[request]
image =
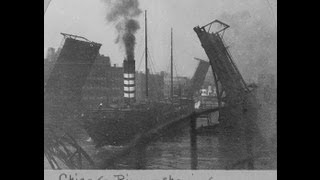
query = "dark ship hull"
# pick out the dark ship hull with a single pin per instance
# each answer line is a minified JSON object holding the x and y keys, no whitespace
{"x":121,"y":126}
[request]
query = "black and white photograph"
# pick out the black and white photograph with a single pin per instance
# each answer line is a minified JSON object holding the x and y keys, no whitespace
{"x":160,"y":85}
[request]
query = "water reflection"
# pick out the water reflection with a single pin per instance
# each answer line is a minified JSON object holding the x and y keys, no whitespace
{"x":181,"y":148}
{"x":193,"y":144}
{"x":140,"y":157}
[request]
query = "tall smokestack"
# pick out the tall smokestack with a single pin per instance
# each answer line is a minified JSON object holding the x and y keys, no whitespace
{"x":129,"y":80}
{"x":122,"y":13}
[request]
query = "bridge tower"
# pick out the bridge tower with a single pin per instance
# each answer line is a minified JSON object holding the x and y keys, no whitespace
{"x":63,"y":105}
{"x":232,"y":91}
{"x":238,"y":115}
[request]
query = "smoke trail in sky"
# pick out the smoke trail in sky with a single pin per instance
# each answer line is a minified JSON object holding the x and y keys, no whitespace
{"x":122,"y":14}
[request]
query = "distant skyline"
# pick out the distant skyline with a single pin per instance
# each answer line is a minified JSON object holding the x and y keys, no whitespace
{"x":87,"y":18}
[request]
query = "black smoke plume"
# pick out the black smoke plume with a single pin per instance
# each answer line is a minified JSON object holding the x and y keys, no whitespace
{"x":122,"y":13}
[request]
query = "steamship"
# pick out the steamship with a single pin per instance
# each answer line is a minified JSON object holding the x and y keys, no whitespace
{"x":124,"y":122}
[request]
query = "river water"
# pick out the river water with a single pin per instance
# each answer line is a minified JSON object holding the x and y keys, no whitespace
{"x":178,"y":148}
{"x":174,"y":150}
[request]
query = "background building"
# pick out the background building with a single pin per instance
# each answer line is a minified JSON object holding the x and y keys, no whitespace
{"x":209,"y":84}
{"x":49,"y":62}
{"x":104,"y":84}
{"x":155,"y":86}
{"x":181,"y":85}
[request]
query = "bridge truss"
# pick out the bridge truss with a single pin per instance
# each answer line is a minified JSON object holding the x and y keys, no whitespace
{"x":63,"y":150}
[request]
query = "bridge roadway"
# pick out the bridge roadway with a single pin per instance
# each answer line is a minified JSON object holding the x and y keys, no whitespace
{"x":109,"y":159}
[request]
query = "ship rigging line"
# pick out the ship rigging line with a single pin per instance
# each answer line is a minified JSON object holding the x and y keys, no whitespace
{"x":140,"y":41}
{"x":150,"y":58}
{"x":175,"y":68}
{"x":140,"y":61}
{"x":150,"y":55}
{"x":151,"y":62}
{"x":152,"y":67}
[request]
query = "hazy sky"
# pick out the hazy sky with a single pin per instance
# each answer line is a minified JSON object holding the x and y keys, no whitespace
{"x":87,"y":18}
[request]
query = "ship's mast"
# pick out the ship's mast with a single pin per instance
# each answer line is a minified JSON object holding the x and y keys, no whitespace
{"x":171,"y":68}
{"x":146,"y":54}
